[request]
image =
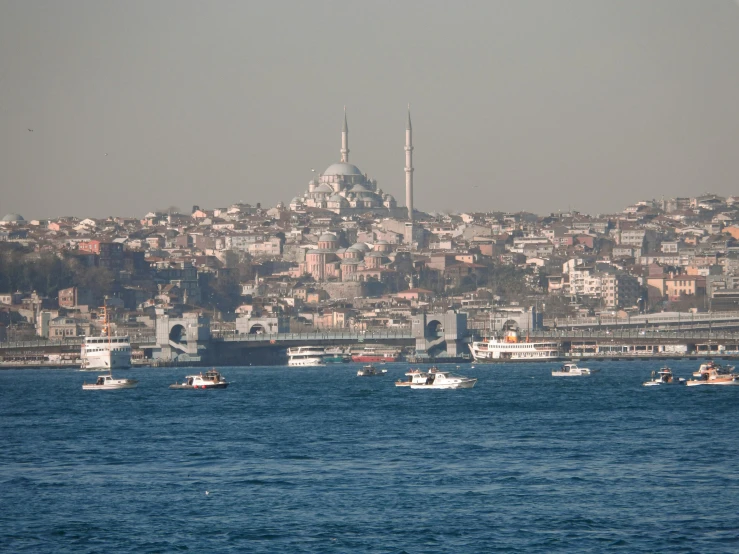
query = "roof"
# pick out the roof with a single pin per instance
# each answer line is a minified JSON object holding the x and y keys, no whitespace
{"x":342,"y":169}
{"x":416,"y":291}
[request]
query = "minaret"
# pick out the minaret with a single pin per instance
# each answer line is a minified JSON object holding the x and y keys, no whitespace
{"x":409,"y":166}
{"x":345,"y":141}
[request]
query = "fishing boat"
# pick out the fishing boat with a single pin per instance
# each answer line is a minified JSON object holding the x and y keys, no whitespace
{"x":571,"y":370}
{"x":663,"y":377}
{"x":211,"y":380}
{"x":414,"y":376}
{"x":370,"y":371}
{"x":714,"y":374}
{"x":435,"y":378}
{"x":711,"y":365}
{"x":107,"y":382}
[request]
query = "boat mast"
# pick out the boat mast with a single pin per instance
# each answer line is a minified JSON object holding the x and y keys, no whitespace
{"x":106,"y":332}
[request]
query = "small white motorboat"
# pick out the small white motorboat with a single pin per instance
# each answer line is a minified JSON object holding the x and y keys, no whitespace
{"x":663,"y":377}
{"x":370,"y":371}
{"x":211,"y":380}
{"x":436,"y":379}
{"x":414,"y":376}
{"x":106,"y":382}
{"x":571,"y":370}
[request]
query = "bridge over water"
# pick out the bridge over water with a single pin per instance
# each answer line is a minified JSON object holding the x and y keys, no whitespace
{"x":193,"y":340}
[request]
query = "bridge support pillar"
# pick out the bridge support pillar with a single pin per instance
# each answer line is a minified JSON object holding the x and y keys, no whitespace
{"x":440,"y":333}
{"x":184,"y":338}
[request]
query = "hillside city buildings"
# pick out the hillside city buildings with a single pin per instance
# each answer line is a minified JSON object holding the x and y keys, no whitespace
{"x":345,"y":255}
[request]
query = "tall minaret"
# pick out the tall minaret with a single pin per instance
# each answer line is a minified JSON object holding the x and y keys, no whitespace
{"x":345,"y":141}
{"x":409,"y":166}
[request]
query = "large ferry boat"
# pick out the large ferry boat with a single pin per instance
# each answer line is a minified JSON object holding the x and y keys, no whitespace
{"x":106,"y":351}
{"x":305,"y":356}
{"x":510,"y":348}
{"x":373,"y":354}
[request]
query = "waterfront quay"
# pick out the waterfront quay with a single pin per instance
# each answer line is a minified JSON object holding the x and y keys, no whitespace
{"x":269,"y":348}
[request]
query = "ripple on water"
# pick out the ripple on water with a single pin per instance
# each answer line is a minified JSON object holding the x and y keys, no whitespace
{"x":319,"y":461}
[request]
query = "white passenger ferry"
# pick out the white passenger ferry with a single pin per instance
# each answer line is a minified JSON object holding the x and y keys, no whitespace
{"x":306,"y":356}
{"x":510,"y":348}
{"x":106,"y":351}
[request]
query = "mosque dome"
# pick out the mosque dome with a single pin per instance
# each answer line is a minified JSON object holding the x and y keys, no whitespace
{"x":13,"y":218}
{"x":327,"y":237}
{"x":338,"y":198}
{"x":359,"y":188}
{"x":341,"y":168}
{"x":323,"y":187}
{"x":362,"y":247}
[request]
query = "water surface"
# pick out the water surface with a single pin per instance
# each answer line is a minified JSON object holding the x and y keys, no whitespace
{"x":319,"y":460}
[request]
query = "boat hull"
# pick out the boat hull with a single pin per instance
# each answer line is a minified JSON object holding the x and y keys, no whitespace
{"x":714,"y":382}
{"x":460,"y":385}
{"x":336,"y":359}
{"x":199,"y":387}
{"x":125,"y":384}
{"x":569,"y":374}
{"x":361,"y":373}
{"x":306,"y":362}
{"x":374,"y":359}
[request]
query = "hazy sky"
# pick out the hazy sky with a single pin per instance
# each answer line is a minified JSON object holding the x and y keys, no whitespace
{"x":517,"y":104}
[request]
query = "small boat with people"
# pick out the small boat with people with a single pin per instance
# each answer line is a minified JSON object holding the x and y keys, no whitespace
{"x":571,"y":370}
{"x":370,"y":371}
{"x":435,"y":378}
{"x":414,"y":376}
{"x":714,"y":374}
{"x":107,"y":382}
{"x":663,"y":377}
{"x":211,"y":380}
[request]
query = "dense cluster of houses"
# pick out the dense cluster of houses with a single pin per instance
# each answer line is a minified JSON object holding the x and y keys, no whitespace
{"x":311,"y":268}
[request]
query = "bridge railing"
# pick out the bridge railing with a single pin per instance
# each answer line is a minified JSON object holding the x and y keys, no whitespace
{"x":143,"y":340}
{"x":688,"y":335}
{"x":642,"y":319}
{"x":41,"y":343}
{"x":314,"y":336}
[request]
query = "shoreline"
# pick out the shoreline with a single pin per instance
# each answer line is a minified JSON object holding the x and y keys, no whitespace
{"x":563,"y":359}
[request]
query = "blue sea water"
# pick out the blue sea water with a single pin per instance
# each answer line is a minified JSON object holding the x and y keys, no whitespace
{"x":319,"y":460}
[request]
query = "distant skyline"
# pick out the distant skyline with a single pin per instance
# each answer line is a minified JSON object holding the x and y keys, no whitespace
{"x":117,"y":108}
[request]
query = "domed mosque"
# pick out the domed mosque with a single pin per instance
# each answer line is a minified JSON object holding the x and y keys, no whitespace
{"x":12,"y":219}
{"x":343,"y":189}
